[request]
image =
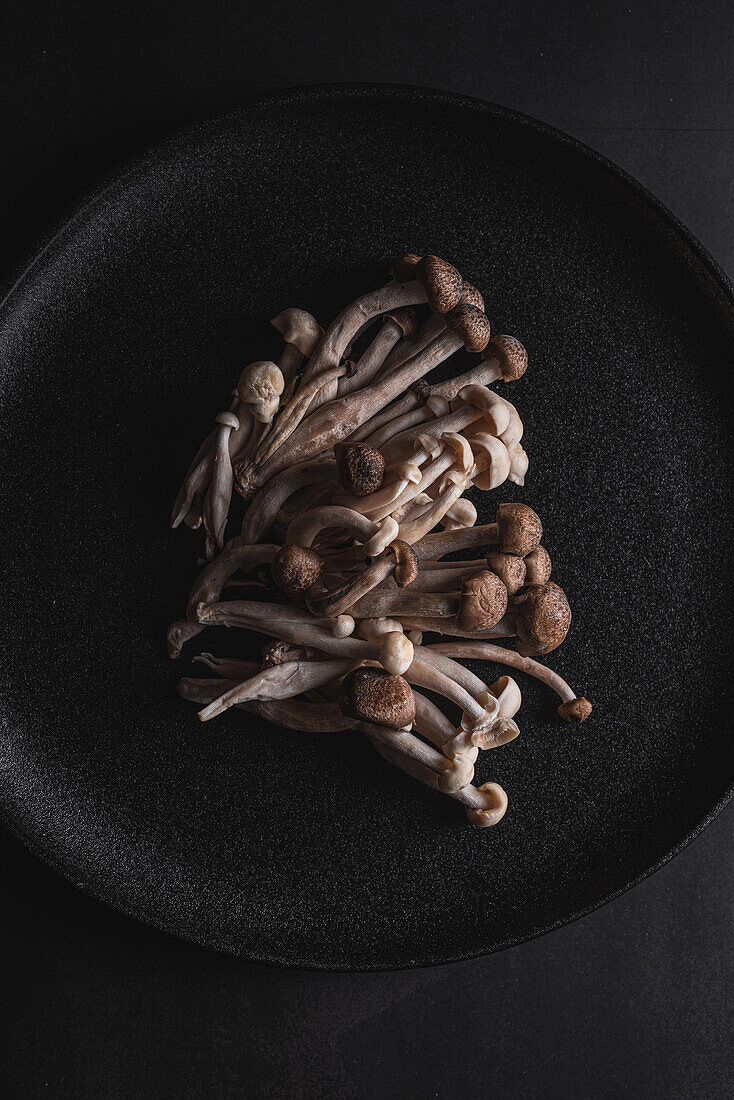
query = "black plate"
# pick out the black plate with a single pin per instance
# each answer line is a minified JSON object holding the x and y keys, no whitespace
{"x":119,"y":344}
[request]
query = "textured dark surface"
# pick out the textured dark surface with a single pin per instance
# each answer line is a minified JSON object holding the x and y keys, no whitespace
{"x":633,"y":1000}
{"x":123,"y":337}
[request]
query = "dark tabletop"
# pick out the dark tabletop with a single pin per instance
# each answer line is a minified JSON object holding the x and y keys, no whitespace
{"x":633,"y":1000}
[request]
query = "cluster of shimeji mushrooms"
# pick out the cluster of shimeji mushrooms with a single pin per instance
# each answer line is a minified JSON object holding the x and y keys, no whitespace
{"x":354,"y":468}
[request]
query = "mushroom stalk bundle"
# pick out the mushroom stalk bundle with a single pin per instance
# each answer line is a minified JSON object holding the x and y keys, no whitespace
{"x":351,"y":468}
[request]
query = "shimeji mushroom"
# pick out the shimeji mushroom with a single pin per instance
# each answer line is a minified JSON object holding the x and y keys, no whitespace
{"x":208,"y":588}
{"x":282,"y":681}
{"x":336,"y":420}
{"x":398,"y":325}
{"x":478,"y":604}
{"x":538,"y":618}
{"x":517,"y":530}
{"x":485,"y":805}
{"x":573,"y":708}
{"x":265,"y":506}
{"x":360,"y":468}
{"x":302,"y":334}
{"x":293,"y":714}
{"x":219,"y":493}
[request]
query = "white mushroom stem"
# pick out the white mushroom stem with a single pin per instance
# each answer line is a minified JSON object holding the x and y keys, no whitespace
{"x":293,"y":413}
{"x":335,"y":421}
{"x":278,"y":682}
{"x":439,"y":543}
{"x":485,"y":651}
{"x":434,"y":408}
{"x":231,"y":668}
{"x":305,"y":528}
{"x":208,"y":588}
{"x":265,"y":505}
{"x":372,"y":360}
{"x":341,"y":331}
{"x":485,"y":805}
{"x":505,"y":628}
{"x":401,"y":446}
{"x":427,"y":333}
{"x":437,"y":672}
{"x":415,"y":397}
{"x":293,"y":714}
{"x":219,"y":493}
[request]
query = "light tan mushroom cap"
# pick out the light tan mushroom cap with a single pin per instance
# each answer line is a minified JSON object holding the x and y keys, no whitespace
{"x":442,"y":283}
{"x":360,"y":468}
{"x":513,"y":359}
{"x":483,"y":601}
{"x":471,"y":324}
{"x":300,"y":328}
{"x":295,"y":569}
{"x":373,"y":695}
{"x":495,"y":810}
{"x":403,"y":267}
{"x":509,"y":568}
{"x":519,"y":529}
{"x":538,"y":566}
{"x":576,"y":710}
{"x":542,"y":619}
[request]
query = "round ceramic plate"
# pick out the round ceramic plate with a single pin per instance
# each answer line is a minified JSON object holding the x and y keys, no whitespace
{"x":121,"y":341}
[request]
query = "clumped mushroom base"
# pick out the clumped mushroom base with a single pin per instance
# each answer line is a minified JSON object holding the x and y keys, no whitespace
{"x":353,"y":468}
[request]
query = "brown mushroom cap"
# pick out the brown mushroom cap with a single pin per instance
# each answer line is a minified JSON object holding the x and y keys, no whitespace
{"x":576,"y":710}
{"x":442,"y":283}
{"x":538,"y":566}
{"x":483,"y":601}
{"x":519,"y":529}
{"x":405,"y":318}
{"x":471,"y":325}
{"x":421,"y":389}
{"x":470,"y":296}
{"x":295,"y":569}
{"x":542,"y":619}
{"x":403,"y":267}
{"x":406,"y":562}
{"x":509,"y":568}
{"x":373,"y":695}
{"x":513,"y":358}
{"x":360,"y":468}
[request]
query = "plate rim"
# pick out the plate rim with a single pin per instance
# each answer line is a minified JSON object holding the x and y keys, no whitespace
{"x":53,"y":236}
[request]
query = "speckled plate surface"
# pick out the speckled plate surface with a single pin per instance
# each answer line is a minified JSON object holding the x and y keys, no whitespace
{"x":119,"y":342}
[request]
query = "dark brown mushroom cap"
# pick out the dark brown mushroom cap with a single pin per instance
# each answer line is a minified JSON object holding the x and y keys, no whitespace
{"x":405,"y":318}
{"x":513,"y":358}
{"x":360,"y":468}
{"x":575,"y":710}
{"x":442,"y":283}
{"x":373,"y":695}
{"x":483,"y":601}
{"x":403,"y":267}
{"x":295,"y":569}
{"x":421,"y":389}
{"x":509,"y":568}
{"x":470,"y":296}
{"x":542,"y":619}
{"x":519,"y":529}
{"x":406,"y":562}
{"x":471,"y":325}
{"x":538,"y":566}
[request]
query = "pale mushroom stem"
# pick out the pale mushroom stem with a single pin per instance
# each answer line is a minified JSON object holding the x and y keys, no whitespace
{"x":265,"y":505}
{"x":333,"y":422}
{"x":486,"y":806}
{"x":279,"y":682}
{"x":372,"y":361}
{"x":292,"y":714}
{"x":341,"y":331}
{"x":485,"y":651}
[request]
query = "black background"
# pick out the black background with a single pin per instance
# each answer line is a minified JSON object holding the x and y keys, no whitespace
{"x":634,"y":999}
